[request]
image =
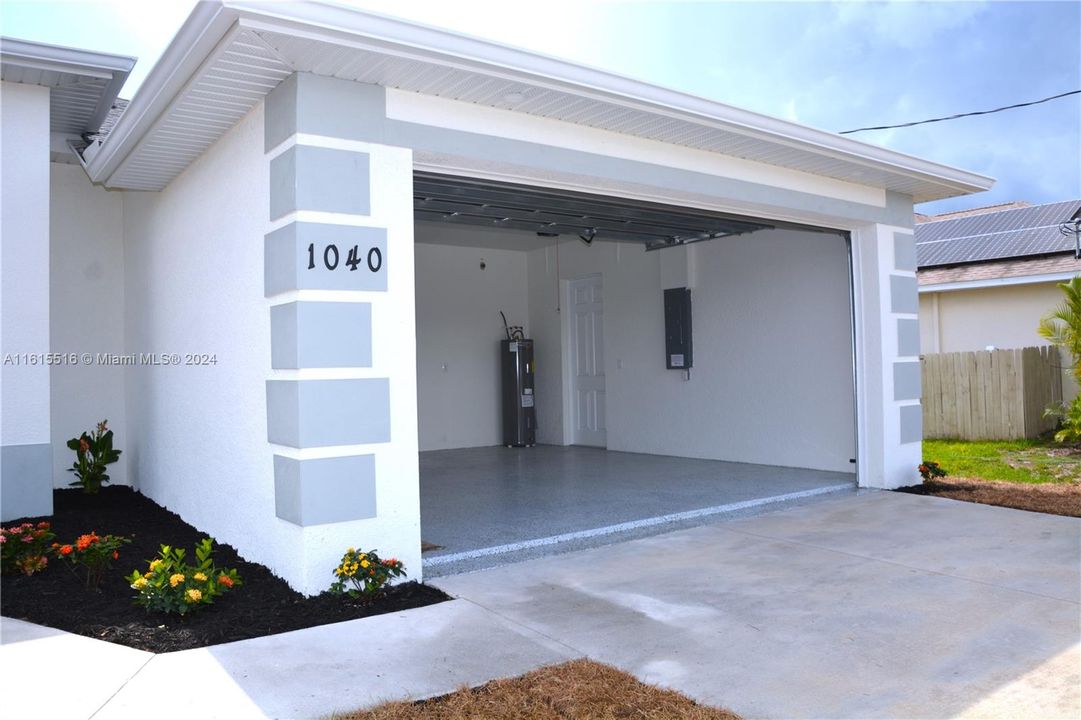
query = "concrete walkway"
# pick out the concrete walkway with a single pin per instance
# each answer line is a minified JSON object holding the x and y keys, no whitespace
{"x":875,"y":605}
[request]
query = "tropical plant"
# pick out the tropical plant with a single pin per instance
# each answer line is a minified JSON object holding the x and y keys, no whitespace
{"x":929,"y":470}
{"x":93,"y":451}
{"x":1062,"y":327}
{"x":365,"y":572}
{"x":172,"y":585}
{"x":24,"y":548}
{"x":95,"y":553}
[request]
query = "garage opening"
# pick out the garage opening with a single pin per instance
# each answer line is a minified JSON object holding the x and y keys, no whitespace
{"x":682,"y":365}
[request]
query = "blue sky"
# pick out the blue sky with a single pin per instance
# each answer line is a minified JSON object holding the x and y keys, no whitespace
{"x":833,"y":66}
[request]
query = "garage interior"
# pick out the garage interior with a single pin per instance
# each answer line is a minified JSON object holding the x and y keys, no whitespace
{"x":637,"y":430}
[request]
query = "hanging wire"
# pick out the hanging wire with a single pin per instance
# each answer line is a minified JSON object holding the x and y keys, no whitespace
{"x":961,"y":115}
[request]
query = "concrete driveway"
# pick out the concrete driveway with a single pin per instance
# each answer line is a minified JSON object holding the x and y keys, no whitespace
{"x":869,"y":605}
{"x":876,"y":605}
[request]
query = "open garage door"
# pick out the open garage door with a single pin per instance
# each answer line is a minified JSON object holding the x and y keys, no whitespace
{"x":757,"y":404}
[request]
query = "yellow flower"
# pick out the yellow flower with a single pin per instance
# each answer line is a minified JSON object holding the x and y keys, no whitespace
{"x":154,"y":565}
{"x":200,"y":577}
{"x":364,"y":564}
{"x":193,"y":595}
{"x":351,"y":551}
{"x":175,"y":580}
{"x":140,"y":583}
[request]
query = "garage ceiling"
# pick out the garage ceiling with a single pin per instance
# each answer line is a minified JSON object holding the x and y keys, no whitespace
{"x":467,"y":201}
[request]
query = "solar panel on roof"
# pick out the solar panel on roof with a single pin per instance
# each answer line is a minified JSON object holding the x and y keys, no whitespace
{"x":1016,"y":232}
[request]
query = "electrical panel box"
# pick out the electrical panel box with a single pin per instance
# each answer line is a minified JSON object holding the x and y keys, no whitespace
{"x":519,"y":402}
{"x":677,"y":329}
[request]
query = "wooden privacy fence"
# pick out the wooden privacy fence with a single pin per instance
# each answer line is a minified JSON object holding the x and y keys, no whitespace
{"x":990,"y":394}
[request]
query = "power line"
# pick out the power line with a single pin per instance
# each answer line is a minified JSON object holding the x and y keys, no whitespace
{"x":961,"y":115}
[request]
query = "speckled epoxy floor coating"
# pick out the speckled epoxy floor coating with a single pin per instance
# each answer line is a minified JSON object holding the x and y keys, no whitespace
{"x":481,"y":498}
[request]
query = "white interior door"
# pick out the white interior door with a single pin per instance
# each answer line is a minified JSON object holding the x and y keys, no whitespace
{"x":587,"y":362}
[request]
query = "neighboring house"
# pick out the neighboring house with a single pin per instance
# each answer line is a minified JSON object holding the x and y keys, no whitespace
{"x":279,"y":273}
{"x":987,"y":276}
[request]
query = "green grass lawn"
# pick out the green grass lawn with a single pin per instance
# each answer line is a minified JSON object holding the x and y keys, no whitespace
{"x":1025,"y":461}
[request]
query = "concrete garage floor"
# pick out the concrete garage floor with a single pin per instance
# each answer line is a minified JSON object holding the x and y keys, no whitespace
{"x":858,"y":606}
{"x":488,"y":506}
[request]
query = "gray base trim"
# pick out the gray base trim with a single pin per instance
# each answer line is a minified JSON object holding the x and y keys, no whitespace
{"x":26,"y":481}
{"x":904,"y":295}
{"x":908,"y":337}
{"x":286,"y":258}
{"x":632,"y":525}
{"x":906,"y":380}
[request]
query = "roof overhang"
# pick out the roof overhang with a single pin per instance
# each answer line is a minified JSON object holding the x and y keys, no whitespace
{"x":83,"y":84}
{"x":229,"y":55}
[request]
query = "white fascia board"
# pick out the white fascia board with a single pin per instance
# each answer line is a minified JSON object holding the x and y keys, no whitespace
{"x":85,"y":63}
{"x":997,"y":282}
{"x":210,"y":21}
{"x":338,"y":22}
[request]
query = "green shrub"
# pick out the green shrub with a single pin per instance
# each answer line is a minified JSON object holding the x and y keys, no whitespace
{"x":1069,"y":421}
{"x":95,"y":553}
{"x":365,"y":572}
{"x":171,"y":585}
{"x":929,"y":470}
{"x":24,"y":548}
{"x":93,"y":451}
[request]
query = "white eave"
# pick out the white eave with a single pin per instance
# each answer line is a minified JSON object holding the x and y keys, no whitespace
{"x":228,"y":56}
{"x":83,"y":84}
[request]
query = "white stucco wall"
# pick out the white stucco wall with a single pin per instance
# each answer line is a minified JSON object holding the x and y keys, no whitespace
{"x":25,"y":455}
{"x":86,"y":312}
{"x":458,"y":334}
{"x":772,"y":377}
{"x":1004,"y":316}
{"x":193,"y":269}
{"x":24,"y":261}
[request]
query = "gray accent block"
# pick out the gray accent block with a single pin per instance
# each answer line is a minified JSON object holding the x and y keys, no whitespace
{"x":911,"y":424}
{"x":908,"y":337}
{"x":325,"y":490}
{"x":322,"y":179}
{"x":26,"y":481}
{"x":286,"y":258}
{"x":320,"y":335}
{"x":319,"y":413}
{"x":904,"y":295}
{"x":320,"y":105}
{"x":906,"y":380}
{"x":904,"y":251}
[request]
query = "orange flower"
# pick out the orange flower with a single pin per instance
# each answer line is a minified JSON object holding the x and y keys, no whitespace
{"x":226,"y":581}
{"x":115,"y":554}
{"x":84,"y":446}
{"x":86,"y":541}
{"x":66,"y":549}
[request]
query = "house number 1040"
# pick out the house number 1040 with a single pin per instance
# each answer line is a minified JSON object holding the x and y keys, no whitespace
{"x":331,"y":258}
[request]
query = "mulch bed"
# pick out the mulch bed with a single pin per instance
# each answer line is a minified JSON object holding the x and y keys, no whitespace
{"x":263,"y":605}
{"x":1052,"y":498}
{"x":569,"y":691}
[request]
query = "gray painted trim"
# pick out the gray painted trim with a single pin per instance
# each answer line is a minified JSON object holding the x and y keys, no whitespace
{"x":280,"y":113}
{"x":320,"y":413}
{"x":906,"y":380}
{"x":321,"y":335}
{"x":369,"y":105}
{"x":286,"y":258}
{"x":26,"y":481}
{"x":904,"y":294}
{"x":908,"y":337}
{"x":904,"y":251}
{"x":325,"y":490}
{"x":322,"y":179}
{"x":911,"y":424}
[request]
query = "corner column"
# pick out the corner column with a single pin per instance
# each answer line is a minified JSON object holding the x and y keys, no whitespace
{"x":341,"y":397}
{"x":889,"y":414}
